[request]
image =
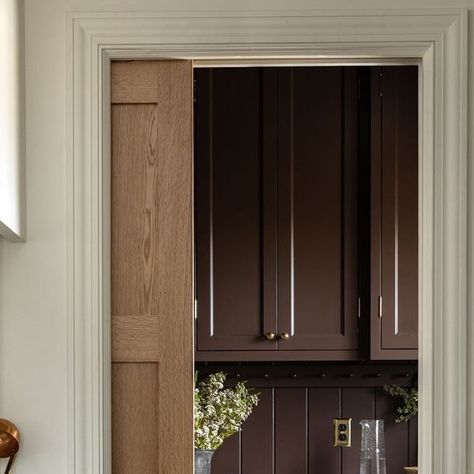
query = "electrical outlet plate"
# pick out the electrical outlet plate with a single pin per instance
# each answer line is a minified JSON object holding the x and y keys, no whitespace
{"x":342,"y":432}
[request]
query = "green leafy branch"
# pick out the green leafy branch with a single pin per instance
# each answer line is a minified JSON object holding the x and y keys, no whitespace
{"x":409,"y":401}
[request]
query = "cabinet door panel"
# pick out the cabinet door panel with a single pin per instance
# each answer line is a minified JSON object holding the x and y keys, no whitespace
{"x":395,"y":215}
{"x":317,"y":238}
{"x":234,"y":179}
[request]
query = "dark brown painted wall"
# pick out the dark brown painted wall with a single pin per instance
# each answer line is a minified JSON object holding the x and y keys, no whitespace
{"x":291,"y":431}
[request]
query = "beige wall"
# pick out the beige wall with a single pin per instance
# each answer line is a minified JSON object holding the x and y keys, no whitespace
{"x":33,"y":326}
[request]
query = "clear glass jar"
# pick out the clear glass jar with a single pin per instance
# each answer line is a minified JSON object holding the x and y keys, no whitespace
{"x":202,"y":461}
{"x":372,"y":450}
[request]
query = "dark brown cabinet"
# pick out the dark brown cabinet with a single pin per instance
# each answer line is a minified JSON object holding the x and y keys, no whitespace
{"x":276,"y":220}
{"x":293,"y":235}
{"x":233,"y":117}
{"x":317,"y":210}
{"x":394,"y":226}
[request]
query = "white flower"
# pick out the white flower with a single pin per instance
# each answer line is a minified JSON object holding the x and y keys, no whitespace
{"x":218,"y":411}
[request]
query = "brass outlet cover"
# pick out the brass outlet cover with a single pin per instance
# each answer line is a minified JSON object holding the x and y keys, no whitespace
{"x":342,"y":432}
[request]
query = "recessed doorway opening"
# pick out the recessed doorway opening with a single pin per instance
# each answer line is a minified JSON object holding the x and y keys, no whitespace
{"x":438,"y":43}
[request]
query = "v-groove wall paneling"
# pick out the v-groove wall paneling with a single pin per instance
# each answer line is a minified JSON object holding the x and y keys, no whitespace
{"x":276,"y":213}
{"x":152,"y":267}
{"x":291,"y":430}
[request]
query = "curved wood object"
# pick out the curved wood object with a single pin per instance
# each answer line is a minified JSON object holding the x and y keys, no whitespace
{"x":9,"y":442}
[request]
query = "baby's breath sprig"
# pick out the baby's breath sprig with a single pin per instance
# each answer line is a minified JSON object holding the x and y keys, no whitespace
{"x":219,"y":412}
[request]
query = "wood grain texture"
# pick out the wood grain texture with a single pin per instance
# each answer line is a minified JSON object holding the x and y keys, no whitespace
{"x":152,"y":262}
{"x":134,"y":210}
{"x":134,"y":82}
{"x":136,"y":419}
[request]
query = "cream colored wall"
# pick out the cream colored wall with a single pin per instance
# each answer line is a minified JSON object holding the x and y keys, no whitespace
{"x":33,"y":329}
{"x":12,"y":219}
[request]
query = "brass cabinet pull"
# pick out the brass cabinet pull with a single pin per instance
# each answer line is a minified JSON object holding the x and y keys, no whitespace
{"x":284,"y":336}
{"x":270,"y":336}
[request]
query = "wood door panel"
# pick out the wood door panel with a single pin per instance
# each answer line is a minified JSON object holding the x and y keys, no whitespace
{"x":395,"y":213}
{"x":136,"y":420}
{"x":152,"y":266}
{"x":229,"y":216}
{"x":317,"y":208}
{"x":134,"y":174}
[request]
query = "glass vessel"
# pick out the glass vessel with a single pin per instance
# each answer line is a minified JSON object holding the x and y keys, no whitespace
{"x":372,"y":451}
{"x":202,"y":461}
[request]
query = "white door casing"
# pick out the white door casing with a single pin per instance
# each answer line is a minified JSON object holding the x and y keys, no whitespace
{"x":436,"y":39}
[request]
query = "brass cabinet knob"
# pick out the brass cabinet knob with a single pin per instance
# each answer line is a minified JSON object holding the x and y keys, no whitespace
{"x":285,"y":336}
{"x":270,"y":336}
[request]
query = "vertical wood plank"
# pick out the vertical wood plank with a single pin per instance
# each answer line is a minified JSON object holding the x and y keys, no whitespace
{"x":358,"y":404}
{"x":396,"y":434}
{"x":324,"y":405}
{"x":175,"y":263}
{"x":258,"y":437}
{"x":226,"y":459}
{"x":413,"y":442}
{"x":152,"y":262}
{"x":291,"y":431}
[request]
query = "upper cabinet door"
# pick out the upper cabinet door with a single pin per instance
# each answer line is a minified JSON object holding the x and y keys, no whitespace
{"x":235,"y":160}
{"x":317,"y":210}
{"x":394,"y":213}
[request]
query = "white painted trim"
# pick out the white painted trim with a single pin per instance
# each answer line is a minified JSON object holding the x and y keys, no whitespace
{"x":436,"y":38}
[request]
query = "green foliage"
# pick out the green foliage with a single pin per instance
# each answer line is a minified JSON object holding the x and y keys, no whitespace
{"x":219,"y":412}
{"x":409,"y":401}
